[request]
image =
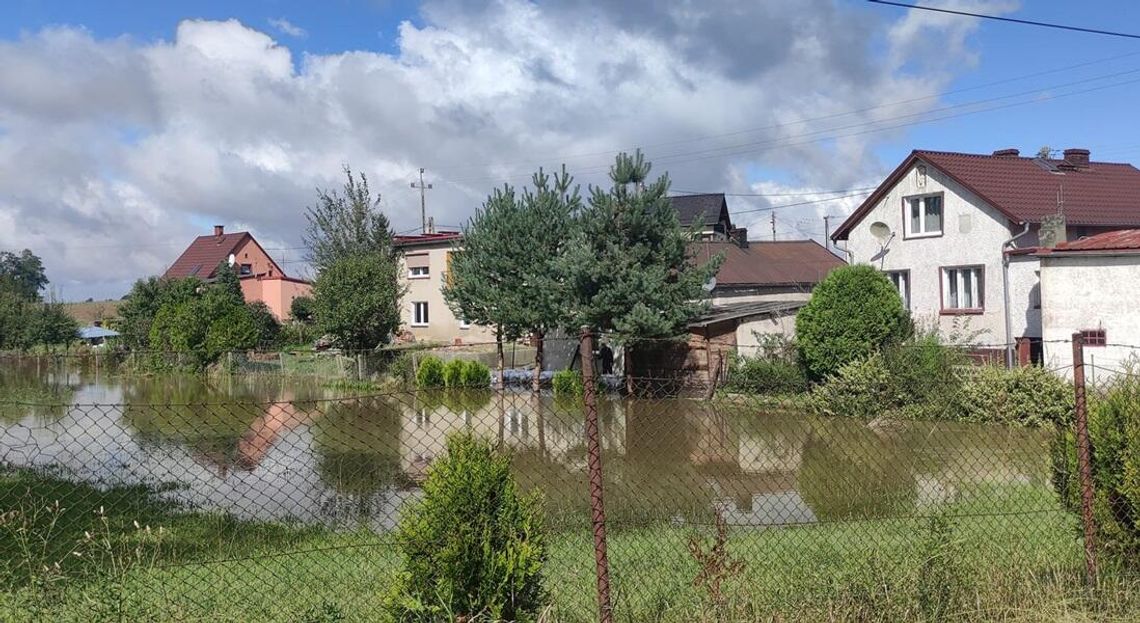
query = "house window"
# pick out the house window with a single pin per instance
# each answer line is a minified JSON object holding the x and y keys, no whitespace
{"x":464,"y":323}
{"x":923,"y":216}
{"x":901,"y":279}
{"x":418,"y":272}
{"x":1094,"y":337}
{"x":963,"y":288}
{"x":420,"y":314}
{"x":246,"y":269}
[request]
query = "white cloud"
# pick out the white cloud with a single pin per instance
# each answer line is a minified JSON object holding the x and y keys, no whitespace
{"x":288,"y":28}
{"x":108,"y":172}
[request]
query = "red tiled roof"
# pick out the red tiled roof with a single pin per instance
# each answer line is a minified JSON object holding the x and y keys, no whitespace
{"x":202,"y":257}
{"x":1124,"y":240}
{"x":792,"y":262}
{"x":1026,"y":189}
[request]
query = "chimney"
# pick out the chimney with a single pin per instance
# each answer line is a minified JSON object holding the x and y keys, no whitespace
{"x":1007,"y":153}
{"x":219,"y":230}
{"x":1052,"y":231}
{"x":1077,"y":157}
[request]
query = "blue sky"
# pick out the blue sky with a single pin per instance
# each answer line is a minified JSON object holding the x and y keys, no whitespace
{"x":148,"y":121}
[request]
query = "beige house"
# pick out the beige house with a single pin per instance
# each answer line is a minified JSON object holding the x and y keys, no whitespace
{"x":424,"y":263}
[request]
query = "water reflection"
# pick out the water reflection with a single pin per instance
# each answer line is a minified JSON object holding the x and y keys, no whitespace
{"x":274,"y":450}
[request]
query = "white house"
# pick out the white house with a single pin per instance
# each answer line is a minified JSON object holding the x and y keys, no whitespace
{"x":1089,"y":287}
{"x":955,"y":232}
{"x":424,"y":263}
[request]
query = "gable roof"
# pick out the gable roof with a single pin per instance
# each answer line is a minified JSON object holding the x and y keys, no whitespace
{"x":202,"y":257}
{"x":786,"y":263}
{"x":711,"y":208}
{"x":1026,"y":189}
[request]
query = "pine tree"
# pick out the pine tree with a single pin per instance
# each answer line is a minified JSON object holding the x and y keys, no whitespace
{"x":629,"y":271}
{"x":486,"y":274}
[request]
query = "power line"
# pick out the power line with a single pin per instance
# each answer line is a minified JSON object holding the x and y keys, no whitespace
{"x":795,"y":194}
{"x":1014,"y":20}
{"x":798,"y":203}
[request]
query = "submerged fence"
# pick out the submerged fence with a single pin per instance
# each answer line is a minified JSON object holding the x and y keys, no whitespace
{"x":681,"y":501}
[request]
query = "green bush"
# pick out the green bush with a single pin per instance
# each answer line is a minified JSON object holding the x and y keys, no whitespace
{"x":852,"y":314}
{"x":430,"y":373}
{"x":1029,"y":396}
{"x":1114,"y":435}
{"x":473,"y":546}
{"x":475,"y":375}
{"x":758,"y":375}
{"x":567,"y":384}
{"x":453,"y":373}
{"x":926,"y":371}
{"x":861,"y":389}
{"x":400,"y":368}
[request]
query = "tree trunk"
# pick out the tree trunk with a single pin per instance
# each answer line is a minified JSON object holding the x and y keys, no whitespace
{"x":501,"y":356}
{"x":540,"y":338}
{"x":628,"y":370}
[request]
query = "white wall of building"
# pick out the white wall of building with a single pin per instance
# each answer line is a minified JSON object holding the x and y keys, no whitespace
{"x":751,"y":332}
{"x":755,"y":295}
{"x":1088,"y":292}
{"x":442,"y":325}
{"x":972,"y":234}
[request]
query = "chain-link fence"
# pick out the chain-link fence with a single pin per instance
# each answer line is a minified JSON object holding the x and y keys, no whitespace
{"x":715,"y":482}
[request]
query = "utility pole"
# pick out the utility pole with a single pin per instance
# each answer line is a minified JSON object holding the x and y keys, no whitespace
{"x":773,"y":226}
{"x":827,"y":231}
{"x":423,"y":200}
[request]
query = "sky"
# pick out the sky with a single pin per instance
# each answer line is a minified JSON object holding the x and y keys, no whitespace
{"x":127,"y":128}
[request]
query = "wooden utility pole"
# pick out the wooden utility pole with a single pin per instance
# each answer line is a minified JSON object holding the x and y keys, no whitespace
{"x":827,"y":232}
{"x":773,"y":226}
{"x":423,"y":188}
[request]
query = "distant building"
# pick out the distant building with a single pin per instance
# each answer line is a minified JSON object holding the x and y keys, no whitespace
{"x":425,"y":260}
{"x":708,"y":216}
{"x":262,"y":279}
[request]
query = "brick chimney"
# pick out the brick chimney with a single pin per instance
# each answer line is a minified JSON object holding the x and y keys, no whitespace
{"x":1077,"y":157}
{"x":219,"y":230}
{"x":1007,"y":153}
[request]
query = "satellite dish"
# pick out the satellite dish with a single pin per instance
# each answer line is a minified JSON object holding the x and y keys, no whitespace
{"x":881,"y":231}
{"x":232,"y":259}
{"x":709,"y":285}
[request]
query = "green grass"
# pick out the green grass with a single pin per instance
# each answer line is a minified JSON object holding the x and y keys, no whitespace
{"x":208,"y":567}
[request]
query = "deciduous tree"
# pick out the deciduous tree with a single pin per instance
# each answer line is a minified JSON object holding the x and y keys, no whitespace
{"x":348,"y":224}
{"x":356,"y":299}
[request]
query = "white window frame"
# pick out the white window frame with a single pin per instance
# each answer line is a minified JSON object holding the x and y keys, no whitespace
{"x":923,"y":232}
{"x":416,"y":321}
{"x":901,"y":280}
{"x":419,"y":272}
{"x":970,"y":280}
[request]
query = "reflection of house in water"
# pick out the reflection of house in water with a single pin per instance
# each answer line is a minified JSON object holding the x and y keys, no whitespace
{"x":250,"y":449}
{"x":521,"y":422}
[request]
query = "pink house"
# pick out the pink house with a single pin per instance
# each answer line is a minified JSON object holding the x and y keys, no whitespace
{"x":262,"y":279}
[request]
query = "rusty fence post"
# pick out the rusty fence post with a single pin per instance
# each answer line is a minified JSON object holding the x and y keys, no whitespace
{"x":594,"y":458}
{"x":1084,"y":460}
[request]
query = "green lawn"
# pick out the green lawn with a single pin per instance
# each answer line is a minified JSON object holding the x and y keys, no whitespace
{"x":209,"y":568}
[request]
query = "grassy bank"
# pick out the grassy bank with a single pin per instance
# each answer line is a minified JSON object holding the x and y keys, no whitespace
{"x":75,"y":562}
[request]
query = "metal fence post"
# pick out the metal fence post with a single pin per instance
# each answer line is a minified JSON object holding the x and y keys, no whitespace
{"x":1084,"y":461}
{"x":594,"y":458}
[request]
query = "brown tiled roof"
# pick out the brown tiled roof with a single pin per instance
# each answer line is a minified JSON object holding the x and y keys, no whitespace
{"x":1126,"y":240}
{"x":202,"y":257}
{"x":416,"y":240}
{"x":1027,"y":189}
{"x":792,"y":262}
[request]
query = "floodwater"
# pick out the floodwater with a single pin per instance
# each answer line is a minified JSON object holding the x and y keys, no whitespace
{"x":271,"y":448}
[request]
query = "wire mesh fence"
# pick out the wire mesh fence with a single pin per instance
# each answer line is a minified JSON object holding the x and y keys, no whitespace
{"x":163,"y":498}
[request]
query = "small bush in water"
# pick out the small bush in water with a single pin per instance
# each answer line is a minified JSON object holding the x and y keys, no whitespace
{"x":758,"y":375}
{"x":473,"y":546}
{"x":567,"y":384}
{"x":475,"y":375}
{"x":429,"y":375}
{"x":453,"y":373}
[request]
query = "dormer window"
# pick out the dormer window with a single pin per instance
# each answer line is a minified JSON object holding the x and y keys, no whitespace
{"x":923,"y":216}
